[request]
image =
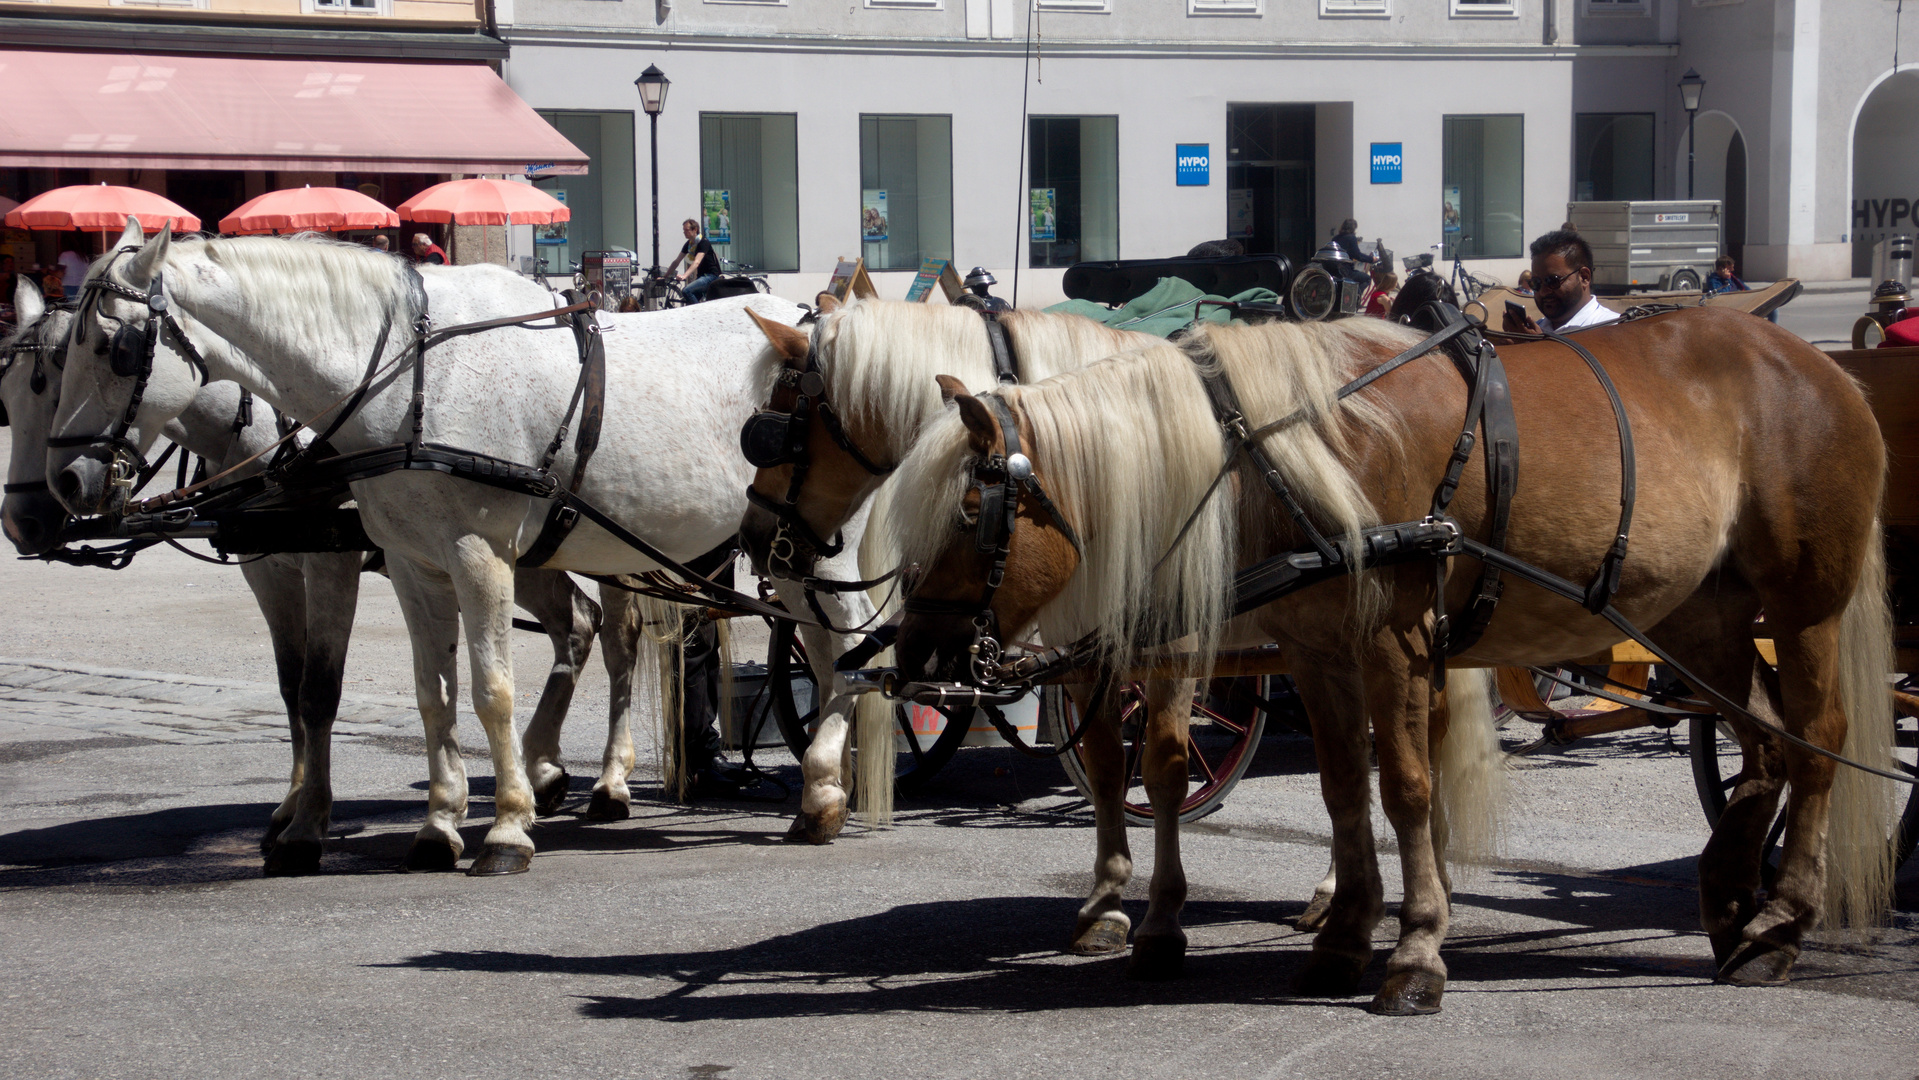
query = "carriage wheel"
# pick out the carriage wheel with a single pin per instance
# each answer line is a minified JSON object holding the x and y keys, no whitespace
{"x":1715,"y":771}
{"x":1224,"y":734}
{"x":923,"y":755}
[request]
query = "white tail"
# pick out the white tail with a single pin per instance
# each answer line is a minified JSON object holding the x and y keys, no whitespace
{"x":1469,"y":769}
{"x":1859,"y":867}
{"x":662,"y":656}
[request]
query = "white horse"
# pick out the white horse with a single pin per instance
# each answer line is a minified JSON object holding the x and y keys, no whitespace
{"x":306,"y":317}
{"x":307,"y":599}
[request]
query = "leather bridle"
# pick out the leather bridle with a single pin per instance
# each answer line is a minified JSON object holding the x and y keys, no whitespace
{"x":130,"y":355}
{"x":1000,"y":478}
{"x":773,"y":437}
{"x":36,"y":382}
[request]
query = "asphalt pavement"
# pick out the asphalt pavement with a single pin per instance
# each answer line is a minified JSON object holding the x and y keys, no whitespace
{"x":142,"y":747}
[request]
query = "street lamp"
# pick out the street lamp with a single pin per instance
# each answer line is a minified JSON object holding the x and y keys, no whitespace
{"x":1690,"y":87}
{"x":653,"y":83}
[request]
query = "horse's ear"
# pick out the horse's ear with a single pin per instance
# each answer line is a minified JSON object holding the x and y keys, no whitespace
{"x":790,"y":343}
{"x":981,"y":431}
{"x":950,"y":388}
{"x":827,"y":303}
{"x":132,"y":236}
{"x":29,"y":303}
{"x":147,"y":261}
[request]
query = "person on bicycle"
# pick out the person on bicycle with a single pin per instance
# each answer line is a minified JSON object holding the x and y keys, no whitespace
{"x":1562,"y":287}
{"x":702,"y":264}
{"x":1348,"y":240}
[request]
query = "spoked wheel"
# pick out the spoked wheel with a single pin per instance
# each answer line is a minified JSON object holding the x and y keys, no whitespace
{"x":1715,"y":772}
{"x":1225,"y":731}
{"x":929,"y":736}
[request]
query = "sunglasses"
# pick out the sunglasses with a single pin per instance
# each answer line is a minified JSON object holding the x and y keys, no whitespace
{"x":1551,"y":281}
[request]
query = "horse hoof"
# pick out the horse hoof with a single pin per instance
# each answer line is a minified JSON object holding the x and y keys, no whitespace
{"x":604,"y":807}
{"x":1409,"y":993}
{"x":295,"y":858}
{"x":497,"y":860}
{"x":816,"y":828}
{"x":1314,"y":917}
{"x":1759,"y":963}
{"x":1329,"y":976}
{"x":1104,"y":938}
{"x":274,"y":829}
{"x":549,"y":797}
{"x":1158,"y":957}
{"x":428,"y":856}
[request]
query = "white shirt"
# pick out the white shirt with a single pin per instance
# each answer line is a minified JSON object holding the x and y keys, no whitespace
{"x":1593,"y":314}
{"x":74,"y":267}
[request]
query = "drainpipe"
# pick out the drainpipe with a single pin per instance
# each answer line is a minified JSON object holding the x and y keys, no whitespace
{"x":1550,"y":24}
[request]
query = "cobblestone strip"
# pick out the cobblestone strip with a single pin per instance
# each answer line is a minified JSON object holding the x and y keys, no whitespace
{"x":175,"y":708}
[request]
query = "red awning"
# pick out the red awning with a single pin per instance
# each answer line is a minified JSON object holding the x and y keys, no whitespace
{"x":122,"y":111}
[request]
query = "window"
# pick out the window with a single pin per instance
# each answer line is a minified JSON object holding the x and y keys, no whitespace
{"x":922,"y":5}
{"x":1612,"y":156}
{"x":1500,"y":8}
{"x":601,"y":201}
{"x":906,"y":190}
{"x":1482,"y":178}
{"x":1335,"y":8}
{"x":1246,"y":8}
{"x":1603,"y":8}
{"x":1072,"y":189}
{"x":347,"y":7}
{"x":750,"y":188}
{"x":1095,"y":7}
{"x":1270,"y":155}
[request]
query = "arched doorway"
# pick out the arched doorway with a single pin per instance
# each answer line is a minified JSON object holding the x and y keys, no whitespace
{"x":1719,"y":172}
{"x":1885,"y":166}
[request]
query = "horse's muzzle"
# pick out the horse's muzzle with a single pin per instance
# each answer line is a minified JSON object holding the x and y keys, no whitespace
{"x":87,"y":486}
{"x":33,"y":521}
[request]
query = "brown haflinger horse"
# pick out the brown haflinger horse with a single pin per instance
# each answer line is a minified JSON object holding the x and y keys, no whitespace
{"x":1759,"y":479}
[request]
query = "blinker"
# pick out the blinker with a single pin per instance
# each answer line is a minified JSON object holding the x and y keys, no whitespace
{"x":766,"y":439}
{"x":127,"y":353}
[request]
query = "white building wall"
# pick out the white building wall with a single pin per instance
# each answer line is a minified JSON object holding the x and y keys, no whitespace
{"x":1162,"y":99}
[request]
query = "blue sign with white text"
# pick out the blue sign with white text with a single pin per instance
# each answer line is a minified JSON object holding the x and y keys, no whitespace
{"x":1193,"y":164}
{"x":1387,"y":161}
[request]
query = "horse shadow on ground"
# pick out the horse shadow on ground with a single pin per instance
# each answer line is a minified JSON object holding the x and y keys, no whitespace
{"x":1004,"y":955}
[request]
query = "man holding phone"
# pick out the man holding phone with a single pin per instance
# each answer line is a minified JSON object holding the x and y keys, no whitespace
{"x":1562,"y":287}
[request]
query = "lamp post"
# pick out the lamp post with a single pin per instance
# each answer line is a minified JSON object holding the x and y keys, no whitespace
{"x":653,"y":83}
{"x":1690,"y":87}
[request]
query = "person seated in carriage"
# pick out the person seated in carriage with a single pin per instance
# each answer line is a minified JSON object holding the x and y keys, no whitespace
{"x":1562,"y":287}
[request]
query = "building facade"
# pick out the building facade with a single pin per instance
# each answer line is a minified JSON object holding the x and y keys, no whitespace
{"x":979,"y":131}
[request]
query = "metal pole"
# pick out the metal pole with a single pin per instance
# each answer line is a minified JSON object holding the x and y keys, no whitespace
{"x":655,"y":118}
{"x":1692,"y":133}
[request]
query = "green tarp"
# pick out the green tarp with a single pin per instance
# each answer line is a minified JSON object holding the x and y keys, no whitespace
{"x":1165,"y":308}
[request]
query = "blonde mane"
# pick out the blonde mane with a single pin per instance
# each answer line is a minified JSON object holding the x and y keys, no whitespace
{"x":879,"y":357}
{"x":1128,"y":448}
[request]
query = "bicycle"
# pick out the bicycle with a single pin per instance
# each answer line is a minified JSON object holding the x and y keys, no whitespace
{"x":1467,"y":284}
{"x":658,"y":292}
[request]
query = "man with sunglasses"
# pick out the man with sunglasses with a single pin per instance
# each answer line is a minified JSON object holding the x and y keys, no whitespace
{"x":1562,"y":287}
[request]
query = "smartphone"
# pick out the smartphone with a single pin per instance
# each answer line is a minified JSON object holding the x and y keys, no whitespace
{"x":1516,"y":312}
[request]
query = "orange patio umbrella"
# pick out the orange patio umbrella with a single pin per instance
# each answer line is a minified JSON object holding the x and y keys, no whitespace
{"x":485,"y":202}
{"x":323,"y":209}
{"x":100,"y":208}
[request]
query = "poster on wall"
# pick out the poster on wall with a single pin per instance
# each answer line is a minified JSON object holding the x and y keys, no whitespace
{"x":1043,"y":206}
{"x":873,"y":215}
{"x":554,"y":233}
{"x":1239,"y":213}
{"x":1449,"y":213}
{"x":716,"y":206}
